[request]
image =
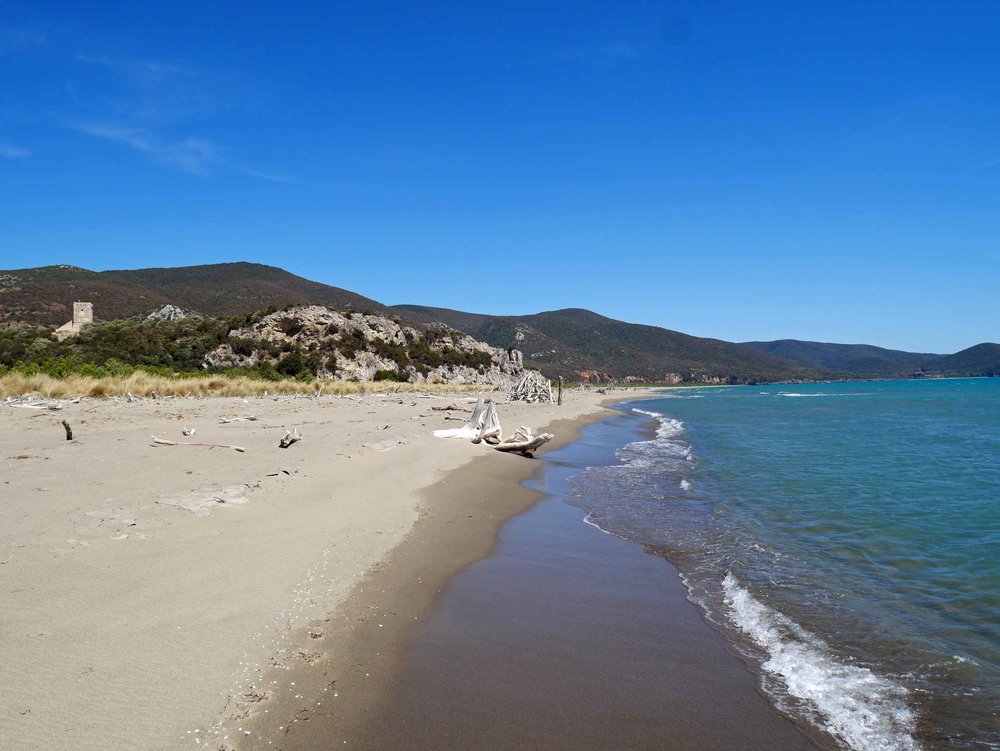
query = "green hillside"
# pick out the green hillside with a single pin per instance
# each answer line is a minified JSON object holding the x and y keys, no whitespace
{"x":575,"y":342}
{"x":44,"y":296}
{"x":846,"y":358}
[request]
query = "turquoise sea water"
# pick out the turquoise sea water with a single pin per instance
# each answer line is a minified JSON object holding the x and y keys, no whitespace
{"x":846,"y":537}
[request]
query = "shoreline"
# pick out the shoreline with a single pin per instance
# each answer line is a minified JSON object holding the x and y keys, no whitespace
{"x":150,"y":588}
{"x":362,"y":667}
{"x":360,"y":692}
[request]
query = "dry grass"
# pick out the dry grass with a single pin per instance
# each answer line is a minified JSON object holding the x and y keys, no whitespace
{"x":144,"y":384}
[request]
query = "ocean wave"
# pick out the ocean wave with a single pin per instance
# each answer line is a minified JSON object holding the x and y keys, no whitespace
{"x":865,"y":711}
{"x":669,"y":427}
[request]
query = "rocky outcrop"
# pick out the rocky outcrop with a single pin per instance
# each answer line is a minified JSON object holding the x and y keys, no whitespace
{"x":364,"y":347}
{"x":168,"y":313}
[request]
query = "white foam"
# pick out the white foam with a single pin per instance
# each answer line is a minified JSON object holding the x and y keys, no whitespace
{"x":686,"y":485}
{"x":669,"y":427}
{"x":595,"y":525}
{"x":647,"y":412}
{"x":863,"y":710}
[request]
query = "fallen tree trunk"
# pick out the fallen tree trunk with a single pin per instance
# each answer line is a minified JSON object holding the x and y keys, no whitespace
{"x":524,"y":442}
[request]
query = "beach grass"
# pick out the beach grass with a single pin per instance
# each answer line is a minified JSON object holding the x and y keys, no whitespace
{"x":140,"y":383}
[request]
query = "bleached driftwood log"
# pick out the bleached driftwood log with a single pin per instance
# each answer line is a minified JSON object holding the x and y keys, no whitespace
{"x":187,"y":431}
{"x":490,"y":431}
{"x":165,"y":442}
{"x":291,"y":436}
{"x":524,"y":442}
{"x":237,"y":418}
{"x":30,"y":402}
{"x":484,"y":427}
{"x":471,"y":429}
{"x":531,"y":387}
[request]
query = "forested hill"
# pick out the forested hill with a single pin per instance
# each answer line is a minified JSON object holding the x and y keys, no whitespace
{"x":863,"y":360}
{"x":45,"y":296}
{"x":573,"y":341}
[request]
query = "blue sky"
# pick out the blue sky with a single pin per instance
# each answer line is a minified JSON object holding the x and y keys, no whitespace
{"x":739,"y":170}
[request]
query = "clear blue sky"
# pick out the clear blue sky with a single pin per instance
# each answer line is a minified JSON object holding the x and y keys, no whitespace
{"x":730,"y":169}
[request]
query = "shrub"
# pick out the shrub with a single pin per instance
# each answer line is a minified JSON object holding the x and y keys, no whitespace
{"x":390,"y":375}
{"x":293,"y":364}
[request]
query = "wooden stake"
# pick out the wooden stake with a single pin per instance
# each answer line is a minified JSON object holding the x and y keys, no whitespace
{"x":560,"y":390}
{"x":69,"y":430}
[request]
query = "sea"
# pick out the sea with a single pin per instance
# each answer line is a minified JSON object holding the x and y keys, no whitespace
{"x":844,"y":536}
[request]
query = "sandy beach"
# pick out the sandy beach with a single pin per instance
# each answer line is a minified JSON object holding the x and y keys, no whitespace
{"x":153,"y":593}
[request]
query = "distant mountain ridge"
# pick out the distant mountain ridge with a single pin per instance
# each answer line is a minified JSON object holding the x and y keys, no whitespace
{"x":848,"y":358}
{"x":866,"y":360}
{"x":573,"y":342}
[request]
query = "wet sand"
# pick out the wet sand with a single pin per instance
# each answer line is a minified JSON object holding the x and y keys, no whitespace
{"x":559,"y":636}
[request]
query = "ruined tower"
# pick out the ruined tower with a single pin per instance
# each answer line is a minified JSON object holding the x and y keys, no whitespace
{"x":83,"y":313}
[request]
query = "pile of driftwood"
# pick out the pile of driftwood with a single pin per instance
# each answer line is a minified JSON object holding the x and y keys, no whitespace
{"x":484,"y":427}
{"x":531,"y":387}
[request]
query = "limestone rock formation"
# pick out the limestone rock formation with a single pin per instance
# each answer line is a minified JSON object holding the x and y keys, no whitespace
{"x":168,"y":313}
{"x":366,"y":347}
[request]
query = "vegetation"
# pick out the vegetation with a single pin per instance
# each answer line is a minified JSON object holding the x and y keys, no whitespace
{"x":573,"y":341}
{"x":45,"y":296}
{"x":110,"y":349}
{"x":142,"y":383}
{"x":106,"y":355}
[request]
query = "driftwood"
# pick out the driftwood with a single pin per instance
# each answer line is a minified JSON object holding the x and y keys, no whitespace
{"x":524,"y":442}
{"x":471,"y":429}
{"x":187,"y":431}
{"x":489,"y":430}
{"x":447,"y":408}
{"x":291,"y":436}
{"x":532,"y":387}
{"x":484,"y":427}
{"x":28,"y":402}
{"x":69,"y":430}
{"x":237,"y":418}
{"x":165,"y":442}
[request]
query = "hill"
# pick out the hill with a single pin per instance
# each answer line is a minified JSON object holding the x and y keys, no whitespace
{"x":980,"y":360}
{"x":577,"y":343}
{"x":574,"y":343}
{"x":863,"y":359}
{"x":44,"y":296}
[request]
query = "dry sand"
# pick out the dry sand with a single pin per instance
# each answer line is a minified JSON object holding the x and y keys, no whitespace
{"x":150,"y":596}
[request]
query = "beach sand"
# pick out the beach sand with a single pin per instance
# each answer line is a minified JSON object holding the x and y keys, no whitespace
{"x":538,"y":633}
{"x":152,"y":596}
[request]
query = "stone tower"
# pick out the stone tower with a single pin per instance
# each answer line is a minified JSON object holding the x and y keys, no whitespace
{"x":83,"y":313}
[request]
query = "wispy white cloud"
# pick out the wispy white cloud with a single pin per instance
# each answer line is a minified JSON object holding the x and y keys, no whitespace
{"x":13,"y":152}
{"x":190,"y":154}
{"x":197,"y":156}
{"x":147,"y":105}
